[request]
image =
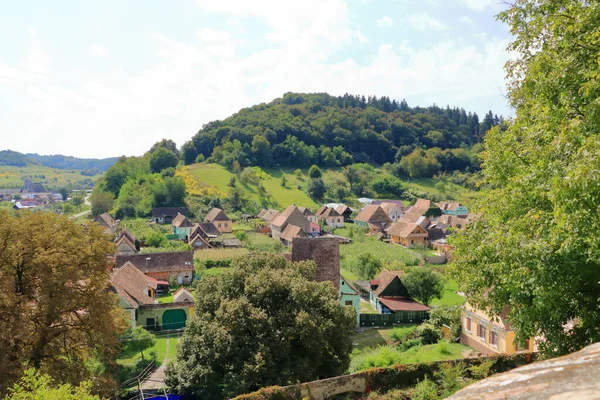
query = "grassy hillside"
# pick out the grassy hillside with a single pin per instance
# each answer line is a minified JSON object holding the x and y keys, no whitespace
{"x":212,"y":179}
{"x":51,"y":178}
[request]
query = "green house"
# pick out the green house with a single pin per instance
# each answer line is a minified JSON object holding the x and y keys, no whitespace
{"x":181,"y":226}
{"x":349,"y":296}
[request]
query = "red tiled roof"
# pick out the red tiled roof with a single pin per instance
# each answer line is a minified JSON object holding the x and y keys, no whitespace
{"x":402,"y":304}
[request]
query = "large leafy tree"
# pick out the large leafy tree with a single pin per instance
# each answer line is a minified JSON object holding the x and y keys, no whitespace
{"x":55,"y":310}
{"x":424,"y":285}
{"x":536,"y":246}
{"x":162,"y":158}
{"x":263,"y":322}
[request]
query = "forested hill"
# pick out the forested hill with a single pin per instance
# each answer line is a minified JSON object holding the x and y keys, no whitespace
{"x":16,"y":159}
{"x":305,"y":129}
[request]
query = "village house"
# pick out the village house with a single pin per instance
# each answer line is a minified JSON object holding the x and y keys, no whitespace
{"x":108,"y":223}
{"x":425,"y":207}
{"x":453,"y":208}
{"x":408,"y":234}
{"x":291,"y":215}
{"x":198,"y":241}
{"x":393,"y":210}
{"x":418,"y":219}
{"x":133,"y":288}
{"x":345,"y":212}
{"x":163,"y":266}
{"x":127,"y":243}
{"x":166,"y":215}
{"x":314,"y":229}
{"x":349,"y":296}
{"x":491,"y":334}
{"x":388,"y":295}
{"x":289,"y":233}
{"x":330,"y":217}
{"x":374,"y":218}
{"x":220,"y":220}
{"x":266,"y":217}
{"x":309,"y":215}
{"x":449,"y":223}
{"x":325,"y":252}
{"x":137,"y":293}
{"x":232,"y":243}
{"x":182,"y":226}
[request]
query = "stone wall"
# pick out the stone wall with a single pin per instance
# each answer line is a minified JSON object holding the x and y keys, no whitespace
{"x":376,"y":379}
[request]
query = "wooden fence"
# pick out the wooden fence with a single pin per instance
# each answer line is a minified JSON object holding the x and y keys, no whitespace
{"x":413,"y":317}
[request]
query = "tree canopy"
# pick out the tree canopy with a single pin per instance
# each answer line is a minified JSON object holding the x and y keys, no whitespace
{"x":535,"y":250}
{"x":53,"y":296}
{"x":262,"y":322}
{"x":300,"y":130}
{"x":424,"y":285}
{"x":36,"y":386}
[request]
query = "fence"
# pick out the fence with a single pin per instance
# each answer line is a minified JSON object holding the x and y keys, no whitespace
{"x":409,"y":317}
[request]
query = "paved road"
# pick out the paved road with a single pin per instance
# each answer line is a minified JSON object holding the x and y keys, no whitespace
{"x":81,"y":214}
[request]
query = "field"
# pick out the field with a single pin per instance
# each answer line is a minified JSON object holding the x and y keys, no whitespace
{"x":458,"y":192}
{"x":212,"y":179}
{"x":219,"y":254}
{"x":12,"y":177}
{"x":362,"y":244}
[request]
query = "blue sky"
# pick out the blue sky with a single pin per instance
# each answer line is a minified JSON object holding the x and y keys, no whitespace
{"x":106,"y":78}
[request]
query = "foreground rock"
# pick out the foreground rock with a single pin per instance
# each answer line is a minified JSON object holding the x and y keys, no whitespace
{"x":575,"y":376}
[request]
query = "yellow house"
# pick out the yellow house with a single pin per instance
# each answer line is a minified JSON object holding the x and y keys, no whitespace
{"x":408,"y":234}
{"x":490,"y":335}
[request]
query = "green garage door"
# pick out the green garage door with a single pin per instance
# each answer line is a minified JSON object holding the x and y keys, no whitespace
{"x":173,"y":319}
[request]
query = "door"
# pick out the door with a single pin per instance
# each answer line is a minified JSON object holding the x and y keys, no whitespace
{"x":150,"y":323}
{"x":174,"y":319}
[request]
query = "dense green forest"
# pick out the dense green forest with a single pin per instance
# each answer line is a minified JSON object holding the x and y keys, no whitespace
{"x":92,"y":165}
{"x":300,"y":130}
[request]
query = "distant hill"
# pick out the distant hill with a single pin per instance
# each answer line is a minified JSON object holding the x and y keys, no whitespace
{"x":16,"y":159}
{"x":301,"y":129}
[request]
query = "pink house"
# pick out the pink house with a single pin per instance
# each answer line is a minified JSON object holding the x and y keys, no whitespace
{"x":314,"y":229}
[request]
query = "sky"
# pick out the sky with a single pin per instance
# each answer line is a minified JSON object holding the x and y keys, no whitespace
{"x":90,"y":78}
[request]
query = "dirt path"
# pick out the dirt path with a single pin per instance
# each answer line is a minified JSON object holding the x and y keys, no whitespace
{"x":157,"y":379}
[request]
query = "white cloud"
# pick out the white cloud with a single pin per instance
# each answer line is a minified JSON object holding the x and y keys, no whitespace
{"x":360,"y":37}
{"x":97,"y":51}
{"x":465,"y":20}
{"x":425,"y":22}
{"x":116,"y":111}
{"x":385,"y":22}
{"x":479,"y":5}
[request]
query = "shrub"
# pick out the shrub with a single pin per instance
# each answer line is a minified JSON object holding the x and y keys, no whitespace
{"x":451,"y":378}
{"x":409,"y":344}
{"x":428,"y":333}
{"x":425,"y":390}
{"x":482,"y":370}
{"x":241,"y":235}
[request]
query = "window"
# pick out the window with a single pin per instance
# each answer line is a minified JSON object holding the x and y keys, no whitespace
{"x":494,"y":338}
{"x":481,"y":331}
{"x":219,"y":224}
{"x":348,"y":303}
{"x":468,"y":324}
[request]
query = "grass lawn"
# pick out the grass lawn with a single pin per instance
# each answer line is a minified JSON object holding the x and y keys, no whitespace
{"x":434,"y":352}
{"x":160,"y":347}
{"x":258,"y":242}
{"x":384,"y":356}
{"x":166,"y":298}
{"x":212,"y":271}
{"x":450,"y":297}
{"x":54,"y":178}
